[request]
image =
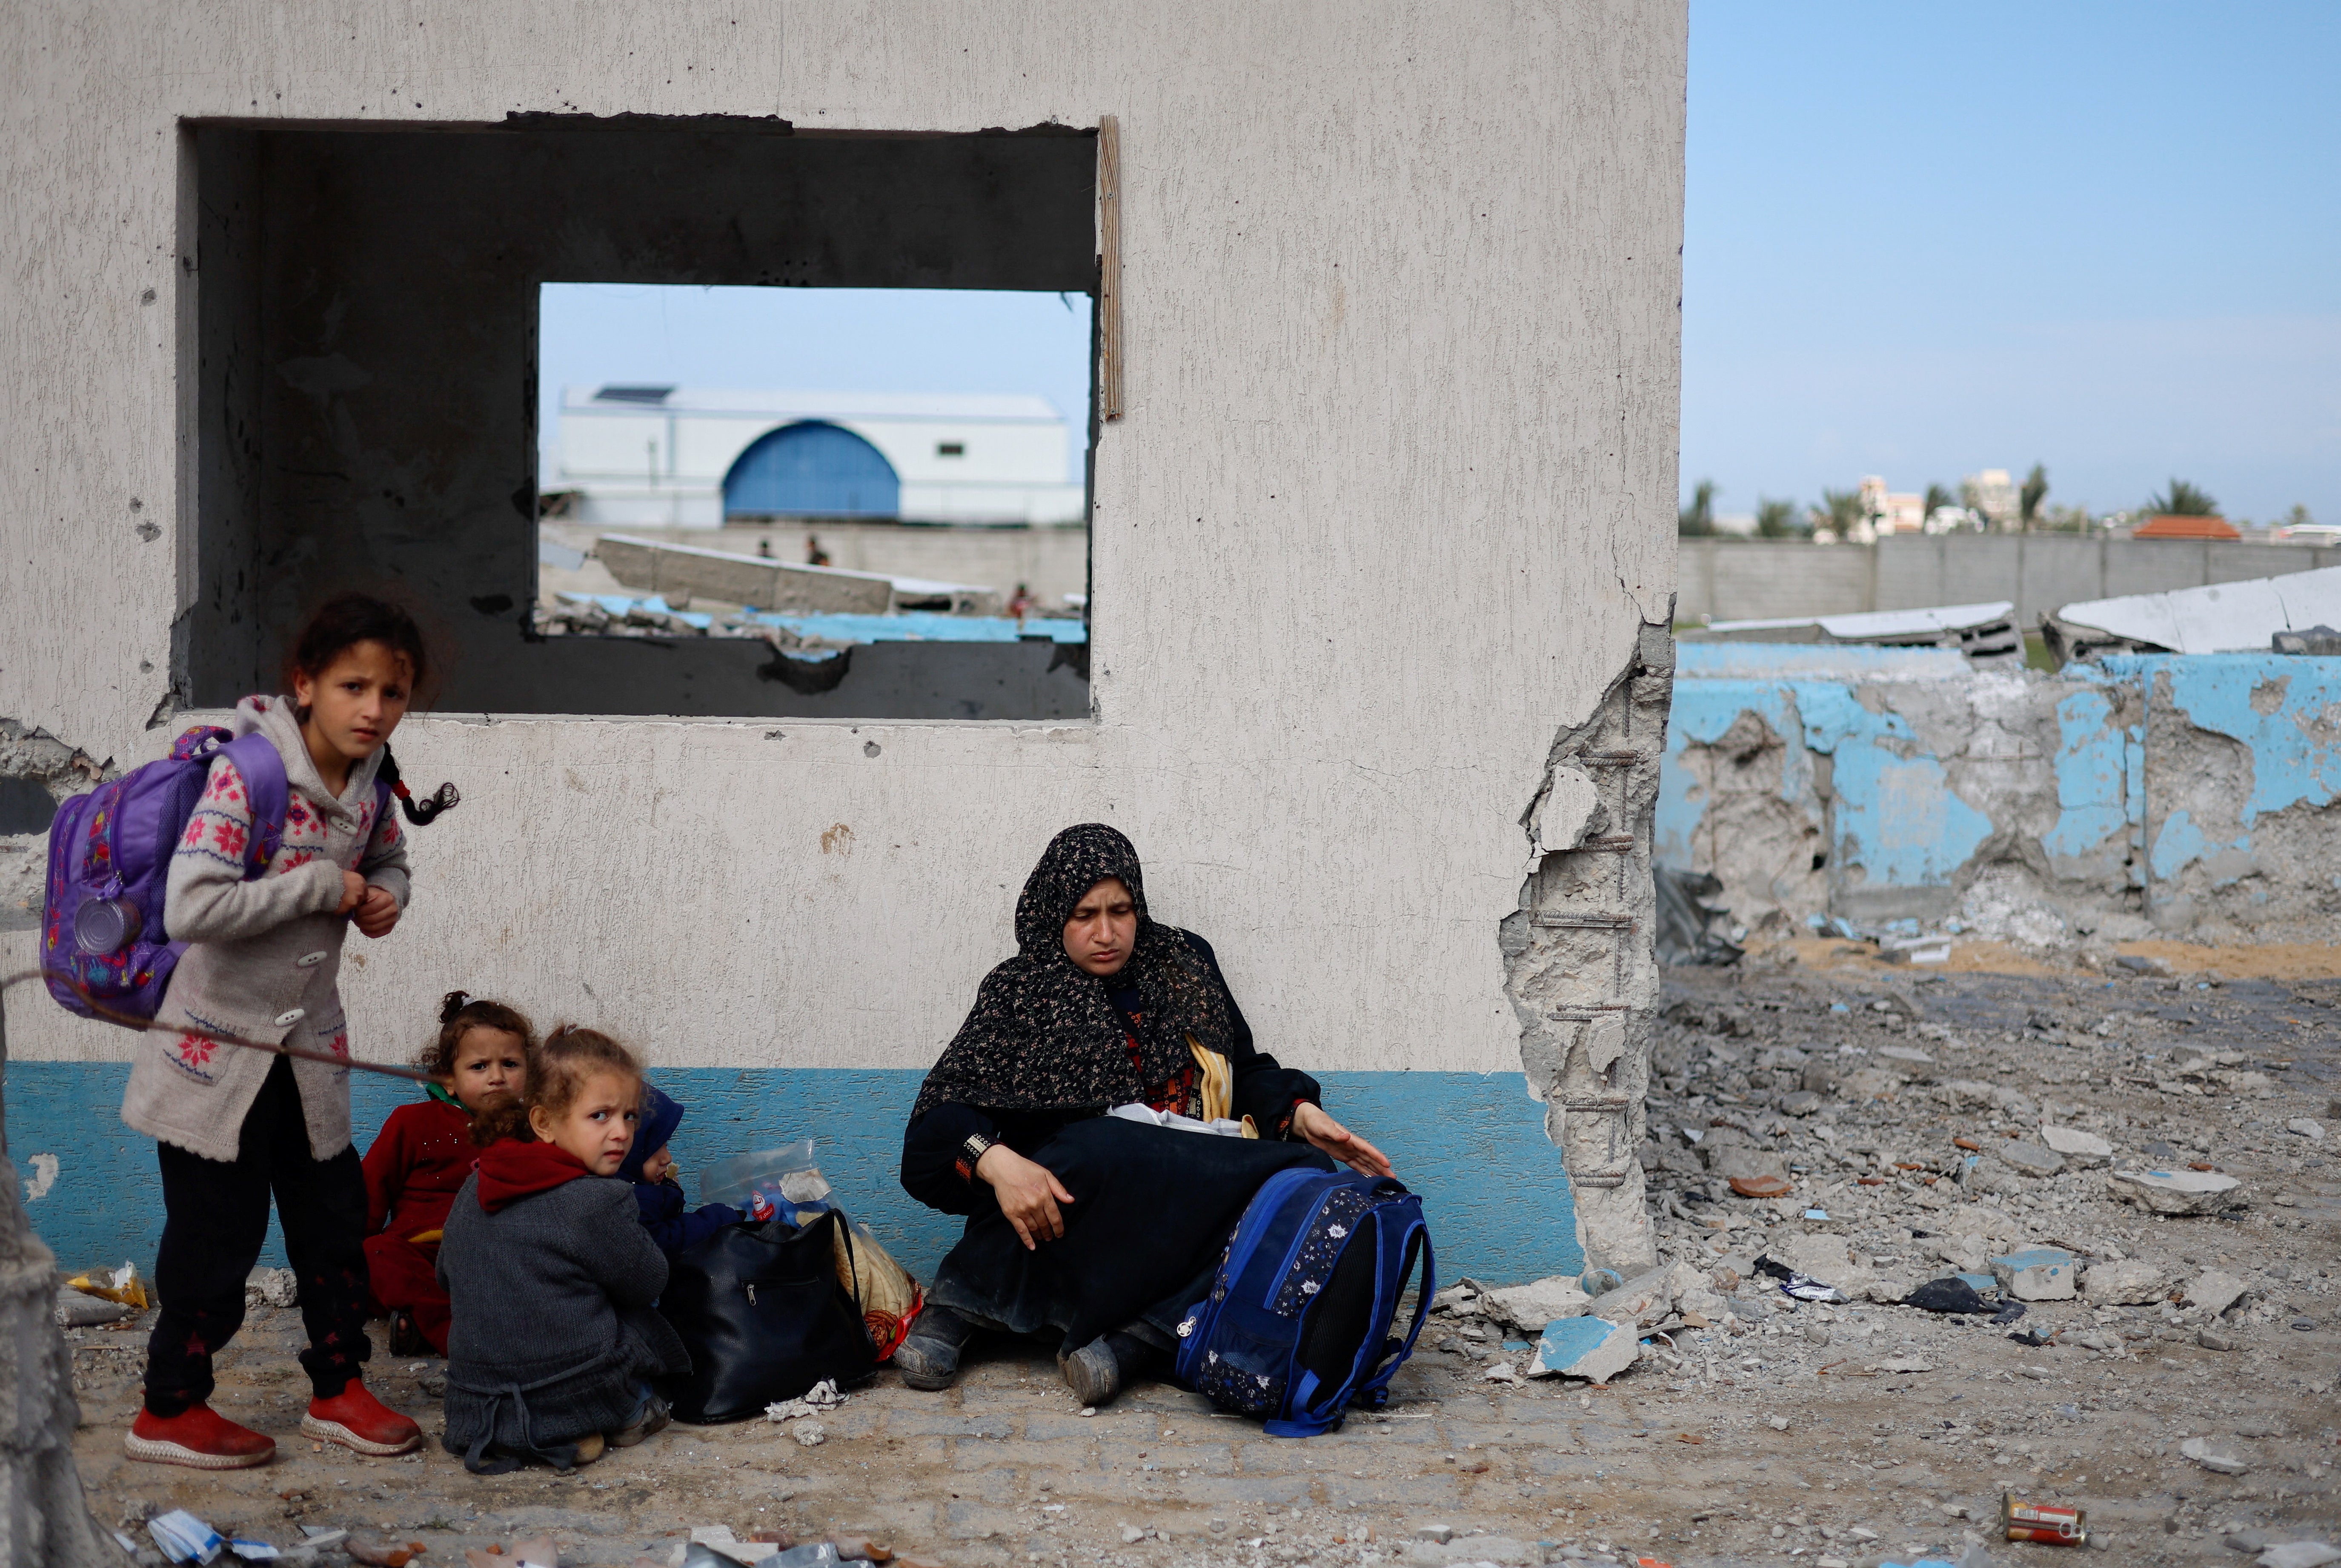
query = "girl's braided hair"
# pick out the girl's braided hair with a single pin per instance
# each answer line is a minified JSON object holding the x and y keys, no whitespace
{"x":557,"y":1071}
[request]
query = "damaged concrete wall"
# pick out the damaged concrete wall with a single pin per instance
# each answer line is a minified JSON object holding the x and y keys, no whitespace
{"x":1578,"y":961}
{"x":2152,"y":795}
{"x":1399,"y":327}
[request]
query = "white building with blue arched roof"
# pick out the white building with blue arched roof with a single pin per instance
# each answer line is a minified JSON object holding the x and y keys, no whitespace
{"x":651,"y":455}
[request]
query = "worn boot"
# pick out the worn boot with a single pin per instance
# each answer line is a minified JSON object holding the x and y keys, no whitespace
{"x":650,"y":1423}
{"x":1105,"y":1367}
{"x":928,"y":1357}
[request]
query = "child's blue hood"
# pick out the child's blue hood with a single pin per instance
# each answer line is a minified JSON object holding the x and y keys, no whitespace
{"x":661,"y":1114}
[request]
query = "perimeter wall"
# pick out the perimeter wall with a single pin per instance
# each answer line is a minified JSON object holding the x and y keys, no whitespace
{"x":1763,"y":579}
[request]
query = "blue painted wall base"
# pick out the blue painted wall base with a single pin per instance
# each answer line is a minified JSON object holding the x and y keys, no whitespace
{"x":1493,"y":1188}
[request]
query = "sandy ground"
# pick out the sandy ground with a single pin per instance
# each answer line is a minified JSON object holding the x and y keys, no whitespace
{"x":1777,"y":1433}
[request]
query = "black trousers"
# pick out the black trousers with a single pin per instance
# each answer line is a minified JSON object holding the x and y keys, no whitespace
{"x":215,"y":1223}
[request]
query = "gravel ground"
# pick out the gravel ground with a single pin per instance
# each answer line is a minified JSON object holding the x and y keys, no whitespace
{"x":1775,"y":1433}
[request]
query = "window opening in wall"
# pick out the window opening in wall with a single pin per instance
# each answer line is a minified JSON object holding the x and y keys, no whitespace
{"x":400,"y":381}
{"x":821,"y":469}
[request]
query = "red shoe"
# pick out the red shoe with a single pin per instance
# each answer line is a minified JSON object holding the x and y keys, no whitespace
{"x":356,"y":1419}
{"x":198,"y":1436}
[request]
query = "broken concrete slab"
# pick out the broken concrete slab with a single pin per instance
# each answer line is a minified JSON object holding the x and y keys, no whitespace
{"x":2227,"y":617}
{"x":2214,"y":1291}
{"x":2032,"y":1159}
{"x":2037,"y":1274}
{"x":1740,"y":1161}
{"x":1593,"y":1348}
{"x":1529,"y":1307}
{"x":2080,"y":1148}
{"x":2219,"y":1456}
{"x":2180,"y":1192}
{"x":1644,"y":1299}
{"x":1968,"y":1253}
{"x":1825,"y":1259}
{"x":2298,"y":1554}
{"x":2130,"y":1282}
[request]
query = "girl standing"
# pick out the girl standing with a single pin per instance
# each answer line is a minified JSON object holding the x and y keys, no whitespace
{"x":423,"y":1154}
{"x":555,"y":1341}
{"x":234,"y":1125}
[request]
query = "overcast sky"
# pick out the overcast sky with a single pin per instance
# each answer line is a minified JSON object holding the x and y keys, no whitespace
{"x":1923,"y":241}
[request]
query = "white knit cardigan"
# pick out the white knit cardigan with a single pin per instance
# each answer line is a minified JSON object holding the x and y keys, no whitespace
{"x":264,"y":956}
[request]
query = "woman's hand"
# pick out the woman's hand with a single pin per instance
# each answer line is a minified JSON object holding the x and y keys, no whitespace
{"x":1311,"y":1123}
{"x":376,"y":912}
{"x":1029,"y":1195}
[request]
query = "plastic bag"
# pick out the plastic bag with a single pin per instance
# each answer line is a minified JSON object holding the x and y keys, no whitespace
{"x":890,"y":1297}
{"x":122,"y":1285}
{"x":770,"y":1183}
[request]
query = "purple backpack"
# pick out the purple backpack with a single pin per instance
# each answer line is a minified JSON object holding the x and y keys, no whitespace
{"x":102,"y":945}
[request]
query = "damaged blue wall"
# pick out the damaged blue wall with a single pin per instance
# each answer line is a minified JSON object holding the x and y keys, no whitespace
{"x":1889,"y":754}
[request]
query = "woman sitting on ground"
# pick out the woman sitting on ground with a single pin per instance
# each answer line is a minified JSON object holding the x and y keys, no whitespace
{"x":1104,"y":1228}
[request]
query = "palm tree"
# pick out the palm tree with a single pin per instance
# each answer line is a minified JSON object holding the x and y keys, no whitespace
{"x":1839,"y":510}
{"x":1777,"y":518}
{"x":2028,"y":499}
{"x":2182,"y":499}
{"x":1937,"y":497}
{"x":1697,"y":520}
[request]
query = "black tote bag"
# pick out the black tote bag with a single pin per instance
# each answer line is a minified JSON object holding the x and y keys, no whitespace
{"x":761,"y":1310}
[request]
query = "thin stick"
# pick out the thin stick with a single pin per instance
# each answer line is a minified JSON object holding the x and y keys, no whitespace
{"x":298,"y":1053}
{"x":1109,"y":199}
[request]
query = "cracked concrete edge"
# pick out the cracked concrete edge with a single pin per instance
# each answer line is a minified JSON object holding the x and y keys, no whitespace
{"x":30,"y":752}
{"x":46,"y":1522}
{"x":1581,"y":967}
{"x":32,"y":755}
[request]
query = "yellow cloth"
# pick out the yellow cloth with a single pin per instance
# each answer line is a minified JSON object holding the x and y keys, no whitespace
{"x":1219,"y":1085}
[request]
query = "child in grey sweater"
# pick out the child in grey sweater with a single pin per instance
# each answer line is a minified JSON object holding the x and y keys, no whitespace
{"x":234,"y":1125}
{"x":555,"y":1342}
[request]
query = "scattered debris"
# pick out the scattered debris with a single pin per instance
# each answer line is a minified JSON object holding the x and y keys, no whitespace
{"x":1593,"y":1348}
{"x":2184,"y":1192}
{"x":75,"y":1310}
{"x":1950,"y":1293}
{"x":2080,"y":1148}
{"x":811,"y":1435}
{"x":2215,"y":1455}
{"x":823,"y":1396}
{"x":2035,"y":1274}
{"x":272,"y":1287}
{"x":122,"y":1285}
{"x":2048,"y":1523}
{"x":182,"y":1537}
{"x":2299,"y":1554}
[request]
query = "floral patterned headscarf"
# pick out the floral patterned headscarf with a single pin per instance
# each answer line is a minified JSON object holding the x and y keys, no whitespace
{"x":1042,"y":1035}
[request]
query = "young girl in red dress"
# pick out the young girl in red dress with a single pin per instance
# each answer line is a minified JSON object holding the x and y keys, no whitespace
{"x":422,"y":1155}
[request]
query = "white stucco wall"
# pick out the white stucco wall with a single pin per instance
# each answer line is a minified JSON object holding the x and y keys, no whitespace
{"x":1011,"y":461}
{"x":1394,"y":489}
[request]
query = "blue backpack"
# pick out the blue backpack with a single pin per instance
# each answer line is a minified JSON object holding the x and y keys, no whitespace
{"x":1297,"y":1327}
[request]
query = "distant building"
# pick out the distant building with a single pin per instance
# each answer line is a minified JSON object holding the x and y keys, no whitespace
{"x":2173,"y":525}
{"x":1892,"y":511}
{"x":1991,"y":495}
{"x":695,"y":457}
